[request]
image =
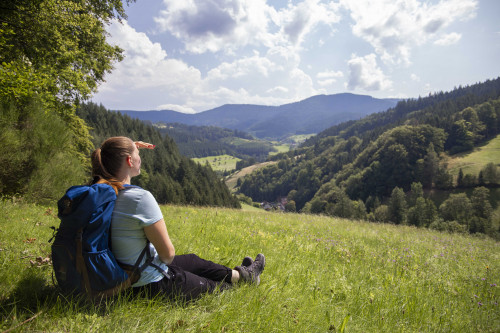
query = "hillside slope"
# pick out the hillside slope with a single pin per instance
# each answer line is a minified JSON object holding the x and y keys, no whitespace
{"x":311,"y":115}
{"x":170,"y":176}
{"x":352,"y":169}
{"x":321,"y":273}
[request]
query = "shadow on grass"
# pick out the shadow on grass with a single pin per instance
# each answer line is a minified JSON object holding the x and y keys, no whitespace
{"x":33,"y":295}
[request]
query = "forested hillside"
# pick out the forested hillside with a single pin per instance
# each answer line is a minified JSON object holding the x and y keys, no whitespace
{"x":310,"y":115}
{"x":170,"y":176}
{"x":364,"y":168}
{"x":203,"y":141}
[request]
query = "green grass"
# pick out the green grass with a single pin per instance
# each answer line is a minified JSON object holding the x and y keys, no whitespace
{"x":220,"y":162}
{"x":299,"y":138}
{"x":321,"y":272}
{"x":473,"y":162}
{"x":280,"y":148}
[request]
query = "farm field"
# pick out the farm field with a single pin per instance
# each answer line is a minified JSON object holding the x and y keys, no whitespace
{"x":322,"y":275}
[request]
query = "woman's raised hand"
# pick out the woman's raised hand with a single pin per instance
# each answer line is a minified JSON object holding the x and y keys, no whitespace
{"x":141,"y":144}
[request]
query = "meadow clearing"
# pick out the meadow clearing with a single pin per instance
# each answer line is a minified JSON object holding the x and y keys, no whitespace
{"x":322,"y":275}
{"x":473,"y":162}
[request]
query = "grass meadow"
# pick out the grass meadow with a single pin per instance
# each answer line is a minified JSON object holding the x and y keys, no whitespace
{"x":219,"y":162}
{"x":473,"y":162}
{"x":322,"y":275}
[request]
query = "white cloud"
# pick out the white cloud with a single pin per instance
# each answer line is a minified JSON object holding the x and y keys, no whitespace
{"x":365,"y":74}
{"x":215,"y":25}
{"x":330,"y":74}
{"x":146,"y":73}
{"x":278,"y":90}
{"x":148,"y":79}
{"x":262,"y":78}
{"x":328,"y":78}
{"x":394,"y":27}
{"x":448,"y":39}
{"x":298,"y":21}
{"x":175,"y":107}
{"x":415,"y":77}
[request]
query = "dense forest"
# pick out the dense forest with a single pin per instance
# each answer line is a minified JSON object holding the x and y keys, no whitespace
{"x":202,"y":141}
{"x":380,"y":166}
{"x":54,"y":54}
{"x":170,"y":176}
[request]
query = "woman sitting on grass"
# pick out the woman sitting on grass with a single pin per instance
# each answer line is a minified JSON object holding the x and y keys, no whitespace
{"x":137,"y":219}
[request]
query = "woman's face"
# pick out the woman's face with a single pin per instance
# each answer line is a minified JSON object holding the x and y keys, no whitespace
{"x":135,"y":160}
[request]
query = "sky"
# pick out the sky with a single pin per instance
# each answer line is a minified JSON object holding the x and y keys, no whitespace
{"x":195,"y":55}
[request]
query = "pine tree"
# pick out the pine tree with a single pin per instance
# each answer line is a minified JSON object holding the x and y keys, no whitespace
{"x":460,"y":178}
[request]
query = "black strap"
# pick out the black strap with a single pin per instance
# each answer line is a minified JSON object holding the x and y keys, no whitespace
{"x":138,"y":268}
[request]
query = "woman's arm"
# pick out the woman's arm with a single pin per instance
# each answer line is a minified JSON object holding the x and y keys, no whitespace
{"x":158,"y":235}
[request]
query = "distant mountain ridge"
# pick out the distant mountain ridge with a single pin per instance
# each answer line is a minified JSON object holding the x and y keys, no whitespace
{"x":311,"y":115}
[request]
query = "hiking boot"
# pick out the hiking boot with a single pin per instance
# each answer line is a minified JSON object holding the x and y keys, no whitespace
{"x":247,"y":261}
{"x":250,"y":274}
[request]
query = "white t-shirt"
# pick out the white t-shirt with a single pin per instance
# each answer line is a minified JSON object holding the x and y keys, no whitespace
{"x":135,"y":208}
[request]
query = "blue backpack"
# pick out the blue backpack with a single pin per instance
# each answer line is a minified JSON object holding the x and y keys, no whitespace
{"x":81,"y":255}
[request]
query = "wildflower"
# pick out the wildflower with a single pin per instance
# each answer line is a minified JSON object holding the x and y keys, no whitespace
{"x":493,"y":285}
{"x":479,"y":303}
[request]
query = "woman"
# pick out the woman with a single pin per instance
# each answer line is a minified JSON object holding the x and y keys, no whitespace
{"x":137,"y":220}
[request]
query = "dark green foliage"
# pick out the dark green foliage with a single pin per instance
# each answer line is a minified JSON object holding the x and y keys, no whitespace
{"x":437,"y":110}
{"x":170,"y":176}
{"x":367,"y":159}
{"x":422,"y":213}
{"x":397,"y":206}
{"x":490,"y":174}
{"x":202,"y":141}
{"x":56,"y":52}
{"x":482,"y":210}
{"x":458,"y":208}
{"x":37,"y":158}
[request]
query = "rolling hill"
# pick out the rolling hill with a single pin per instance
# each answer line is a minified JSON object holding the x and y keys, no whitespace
{"x":311,"y":115}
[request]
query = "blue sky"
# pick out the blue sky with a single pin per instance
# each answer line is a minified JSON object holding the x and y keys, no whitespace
{"x":194,"y":55}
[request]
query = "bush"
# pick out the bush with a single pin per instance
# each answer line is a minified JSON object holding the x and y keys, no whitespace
{"x":448,"y":226}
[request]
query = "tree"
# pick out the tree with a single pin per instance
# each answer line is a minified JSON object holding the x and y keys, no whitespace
{"x":56,"y":51}
{"x":416,"y":213}
{"x":290,"y":206}
{"x":61,"y":44}
{"x":53,"y":55}
{"x":460,"y":178}
{"x":430,"y":167}
{"x":482,"y":210}
{"x":443,"y":179}
{"x":344,"y":207}
{"x":480,"y":200}
{"x":381,"y":213}
{"x":397,"y":206}
{"x":457,"y":208}
{"x":461,"y":137}
{"x":415,"y":193}
{"x":490,"y":173}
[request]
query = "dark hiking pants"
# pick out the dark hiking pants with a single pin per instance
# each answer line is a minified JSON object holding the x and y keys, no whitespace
{"x":189,"y":276}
